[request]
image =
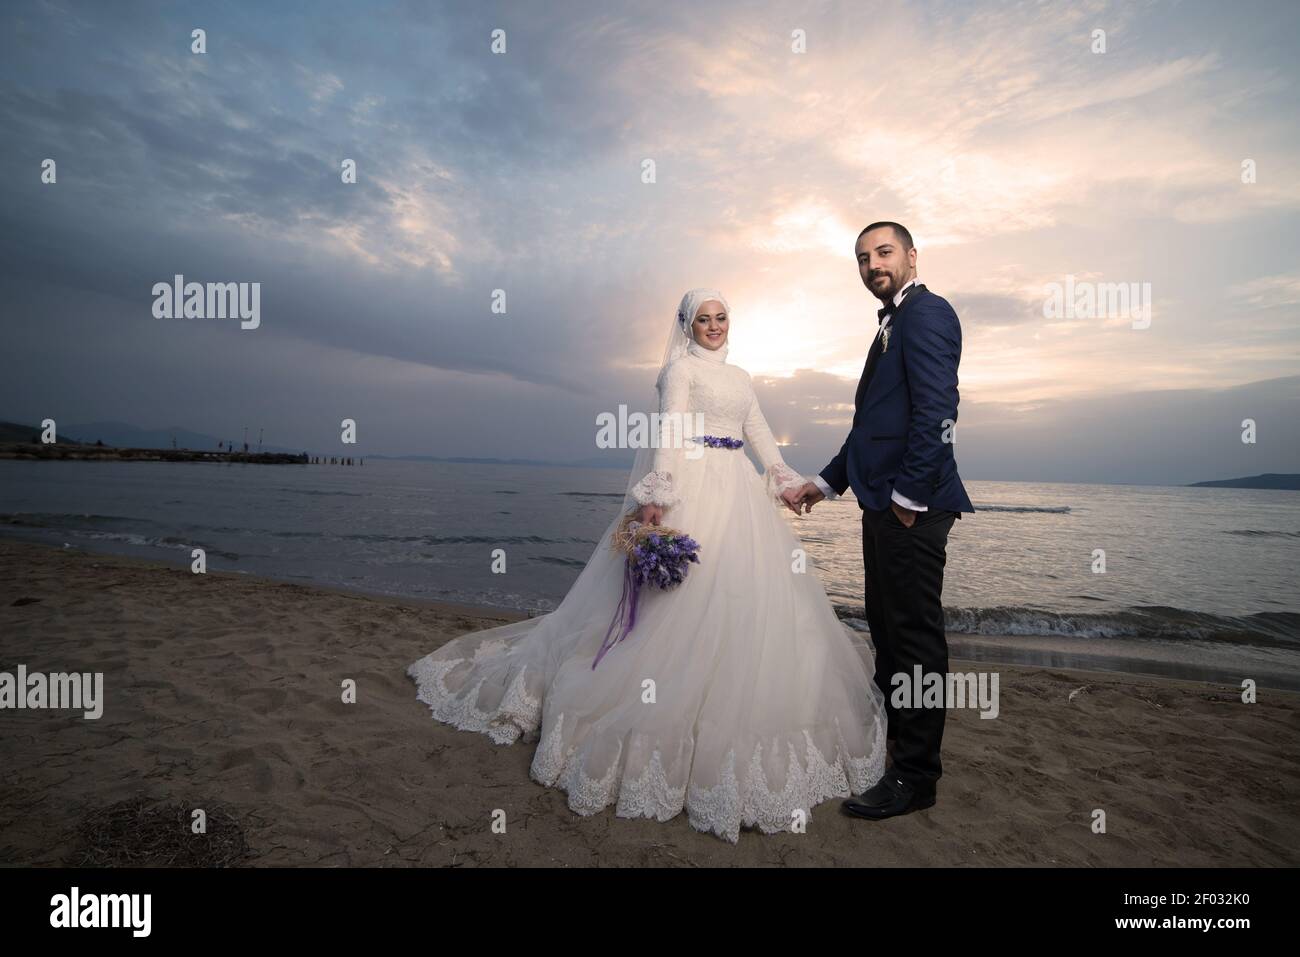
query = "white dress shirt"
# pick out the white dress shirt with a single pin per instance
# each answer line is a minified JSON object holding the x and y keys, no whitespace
{"x":897,"y":496}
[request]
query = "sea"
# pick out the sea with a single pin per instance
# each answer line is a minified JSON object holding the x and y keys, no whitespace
{"x":1179,"y":581}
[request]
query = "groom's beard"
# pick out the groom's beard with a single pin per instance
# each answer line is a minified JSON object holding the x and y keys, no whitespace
{"x":884,"y":292}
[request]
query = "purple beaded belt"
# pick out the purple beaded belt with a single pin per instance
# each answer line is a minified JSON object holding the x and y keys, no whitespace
{"x":721,"y":442}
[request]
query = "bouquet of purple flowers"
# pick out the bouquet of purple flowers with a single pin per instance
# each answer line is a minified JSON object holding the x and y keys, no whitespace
{"x":656,"y":555}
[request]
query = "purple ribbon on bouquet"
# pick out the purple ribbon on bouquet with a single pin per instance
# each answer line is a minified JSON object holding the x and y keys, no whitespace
{"x":624,"y":614}
{"x":659,"y":557}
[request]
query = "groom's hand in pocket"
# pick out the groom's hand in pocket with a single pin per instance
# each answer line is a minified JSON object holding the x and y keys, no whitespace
{"x":904,"y":515}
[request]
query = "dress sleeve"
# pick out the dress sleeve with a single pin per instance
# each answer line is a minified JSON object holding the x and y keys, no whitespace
{"x":778,"y":476}
{"x":657,"y":487}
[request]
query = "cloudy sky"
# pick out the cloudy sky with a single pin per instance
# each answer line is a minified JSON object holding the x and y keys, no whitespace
{"x":1015,"y":151}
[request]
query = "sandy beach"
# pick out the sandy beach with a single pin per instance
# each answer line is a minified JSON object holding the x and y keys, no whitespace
{"x":226,"y":690}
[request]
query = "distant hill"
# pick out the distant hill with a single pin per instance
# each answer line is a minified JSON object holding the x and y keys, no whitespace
{"x":123,"y":435}
{"x":126,"y":436}
{"x":17,"y":432}
{"x":1277,"y":480}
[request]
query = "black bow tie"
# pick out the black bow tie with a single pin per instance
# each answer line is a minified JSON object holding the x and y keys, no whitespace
{"x":889,"y":307}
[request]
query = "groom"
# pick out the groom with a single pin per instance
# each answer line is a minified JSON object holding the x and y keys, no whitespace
{"x":898,"y":459}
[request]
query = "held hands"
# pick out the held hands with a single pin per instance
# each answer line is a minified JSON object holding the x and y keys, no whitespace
{"x":802,"y":499}
{"x":791,"y":498}
{"x":798,"y":500}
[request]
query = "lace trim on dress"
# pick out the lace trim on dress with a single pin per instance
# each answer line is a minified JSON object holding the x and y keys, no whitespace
{"x":723,"y":809}
{"x":647,"y":792}
{"x":519,"y":713}
{"x":781,"y":478}
{"x":656,"y":488}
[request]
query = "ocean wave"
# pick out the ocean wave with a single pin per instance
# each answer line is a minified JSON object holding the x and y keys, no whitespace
{"x":316,"y":491}
{"x":63,"y":519}
{"x":130,"y":538}
{"x":114,"y":528}
{"x":561,"y":561}
{"x":1261,"y":533}
{"x":1051,"y":509}
{"x":1153,"y":622}
{"x":135,"y":540}
{"x":464,"y":539}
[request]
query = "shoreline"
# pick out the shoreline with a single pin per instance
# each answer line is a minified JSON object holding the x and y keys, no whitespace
{"x":491,"y":612}
{"x":1194,"y":660}
{"x":223,"y":690}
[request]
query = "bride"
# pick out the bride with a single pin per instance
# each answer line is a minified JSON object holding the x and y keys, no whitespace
{"x":739,"y":696}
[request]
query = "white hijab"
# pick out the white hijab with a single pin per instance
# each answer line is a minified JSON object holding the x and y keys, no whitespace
{"x":679,"y":339}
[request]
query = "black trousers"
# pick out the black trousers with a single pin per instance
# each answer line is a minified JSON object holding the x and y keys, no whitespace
{"x":904,"y":600}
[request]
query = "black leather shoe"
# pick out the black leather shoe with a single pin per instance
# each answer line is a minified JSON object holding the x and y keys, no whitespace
{"x":890,"y":797}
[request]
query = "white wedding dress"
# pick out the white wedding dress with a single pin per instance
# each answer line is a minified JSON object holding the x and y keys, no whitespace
{"x":738,"y":697}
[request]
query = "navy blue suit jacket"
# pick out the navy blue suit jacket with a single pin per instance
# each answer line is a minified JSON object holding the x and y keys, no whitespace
{"x":902,"y":417}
